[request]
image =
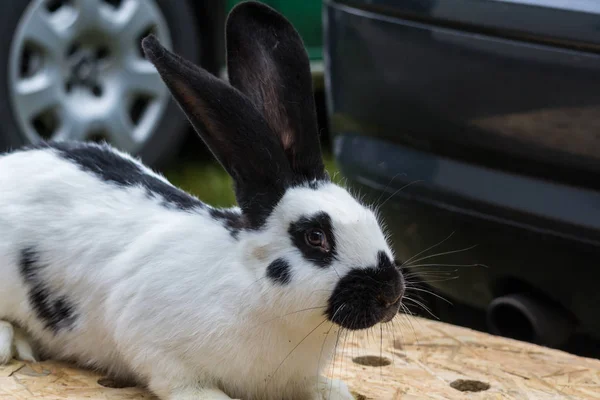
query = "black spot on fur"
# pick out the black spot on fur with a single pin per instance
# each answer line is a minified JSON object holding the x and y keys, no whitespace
{"x":367,"y":296}
{"x":297,"y":230}
{"x":112,"y":168}
{"x":232,"y":220}
{"x":279,"y":271}
{"x":55,"y":311}
{"x":28,"y":261}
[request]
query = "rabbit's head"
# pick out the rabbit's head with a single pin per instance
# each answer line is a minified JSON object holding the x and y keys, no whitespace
{"x":315,"y":244}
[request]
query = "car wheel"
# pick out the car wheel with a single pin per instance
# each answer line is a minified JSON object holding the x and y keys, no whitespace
{"x":75,"y":70}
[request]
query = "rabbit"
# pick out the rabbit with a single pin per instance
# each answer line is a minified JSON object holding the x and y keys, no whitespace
{"x":106,"y":264}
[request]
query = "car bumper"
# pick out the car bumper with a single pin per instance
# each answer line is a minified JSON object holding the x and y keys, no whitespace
{"x":412,"y":102}
{"x":494,"y":230}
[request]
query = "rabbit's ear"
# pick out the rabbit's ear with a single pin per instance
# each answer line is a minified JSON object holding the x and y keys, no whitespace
{"x":266,"y":60}
{"x":232,"y":128}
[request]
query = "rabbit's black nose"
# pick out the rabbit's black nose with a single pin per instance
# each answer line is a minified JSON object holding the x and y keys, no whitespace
{"x":367,"y":296}
{"x":391,"y":297}
{"x":391,"y":302}
{"x":391,"y":293}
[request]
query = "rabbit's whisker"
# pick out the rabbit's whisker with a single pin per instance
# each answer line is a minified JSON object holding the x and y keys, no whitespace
{"x":398,"y":191}
{"x":430,"y":271}
{"x":423,"y":306}
{"x":288,"y":314}
{"x":381,"y":349}
{"x":431,"y":293}
{"x":391,"y":332}
{"x":295,"y":347}
{"x":415,"y":266}
{"x":439,"y":280}
{"x":427,"y":249}
{"x":326,"y":336}
{"x":387,"y":186}
{"x":255,"y":282}
{"x":321,"y":354}
{"x":411,"y":281}
{"x":411,"y":261}
{"x":347,"y":334}
{"x":406,"y":318}
{"x":333,"y":359}
{"x":335,"y":348}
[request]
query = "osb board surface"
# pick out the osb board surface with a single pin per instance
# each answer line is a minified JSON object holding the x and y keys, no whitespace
{"x":428,"y":358}
{"x":425,"y":360}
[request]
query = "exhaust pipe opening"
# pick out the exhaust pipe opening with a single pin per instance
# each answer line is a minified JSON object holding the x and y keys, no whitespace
{"x":509,"y":321}
{"x":530,"y":319}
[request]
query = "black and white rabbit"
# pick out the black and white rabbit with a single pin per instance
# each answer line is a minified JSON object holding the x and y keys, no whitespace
{"x":105,"y":263}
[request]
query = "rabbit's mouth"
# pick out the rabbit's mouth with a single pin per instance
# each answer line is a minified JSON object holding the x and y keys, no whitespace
{"x":366,"y":296}
{"x":392,"y":310}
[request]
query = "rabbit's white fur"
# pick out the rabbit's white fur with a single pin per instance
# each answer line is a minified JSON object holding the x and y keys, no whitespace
{"x":169,"y":296}
{"x":105,"y":263}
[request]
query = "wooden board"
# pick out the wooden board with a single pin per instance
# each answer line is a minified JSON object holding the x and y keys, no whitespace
{"x":425,"y":362}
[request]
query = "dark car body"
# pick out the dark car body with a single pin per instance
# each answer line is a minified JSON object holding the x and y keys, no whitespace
{"x":493,"y":108}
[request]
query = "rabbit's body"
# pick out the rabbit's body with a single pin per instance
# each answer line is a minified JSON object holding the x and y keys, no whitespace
{"x":96,"y":271}
{"x":81,"y":273}
{"x":105,"y":263}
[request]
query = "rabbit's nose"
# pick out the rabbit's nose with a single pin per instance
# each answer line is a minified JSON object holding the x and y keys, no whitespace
{"x":390,"y":305}
{"x":388,"y":302}
{"x":392,"y":288}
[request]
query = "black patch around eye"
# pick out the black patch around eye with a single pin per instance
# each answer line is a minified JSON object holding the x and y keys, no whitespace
{"x":110,"y":167}
{"x":322,"y":221}
{"x":279,"y":271}
{"x":55,"y":311}
{"x":232,"y":220}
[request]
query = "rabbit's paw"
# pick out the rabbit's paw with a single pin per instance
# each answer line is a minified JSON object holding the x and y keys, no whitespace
{"x":199,"y":394}
{"x":193,"y":392}
{"x":6,"y":342}
{"x":13,"y":342}
{"x":333,"y":389}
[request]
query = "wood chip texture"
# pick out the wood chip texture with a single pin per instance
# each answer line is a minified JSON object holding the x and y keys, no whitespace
{"x":423,"y":360}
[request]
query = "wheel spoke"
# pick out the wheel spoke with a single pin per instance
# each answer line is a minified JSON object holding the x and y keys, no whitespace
{"x":36,"y":95}
{"x":140,"y":19}
{"x":140,"y":77}
{"x":132,"y":19}
{"x":87,"y":13}
{"x":72,"y":129}
{"x":41,"y":31}
{"x":120,"y":131}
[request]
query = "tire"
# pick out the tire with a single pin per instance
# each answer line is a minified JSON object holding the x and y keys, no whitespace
{"x":168,"y":131}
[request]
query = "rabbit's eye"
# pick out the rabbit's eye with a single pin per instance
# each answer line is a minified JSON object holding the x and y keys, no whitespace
{"x":316,"y":238}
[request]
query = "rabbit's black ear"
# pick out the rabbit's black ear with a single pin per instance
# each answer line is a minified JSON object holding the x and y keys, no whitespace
{"x":266,"y":60}
{"x":232,"y":128}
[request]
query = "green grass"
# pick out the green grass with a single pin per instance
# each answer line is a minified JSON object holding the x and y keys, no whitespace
{"x":209,"y":181}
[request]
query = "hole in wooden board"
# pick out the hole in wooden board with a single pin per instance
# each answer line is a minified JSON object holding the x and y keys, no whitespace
{"x":359,"y":396}
{"x":114,"y":383}
{"x":468,"y":385}
{"x":372,"y":361}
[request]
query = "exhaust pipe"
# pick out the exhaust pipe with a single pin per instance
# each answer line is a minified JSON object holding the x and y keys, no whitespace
{"x":526,"y":318}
